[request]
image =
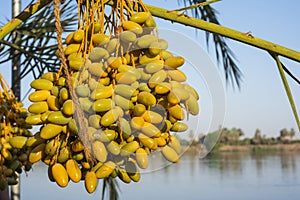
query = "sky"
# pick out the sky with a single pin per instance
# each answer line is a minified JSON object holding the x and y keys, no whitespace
{"x":261,"y":102}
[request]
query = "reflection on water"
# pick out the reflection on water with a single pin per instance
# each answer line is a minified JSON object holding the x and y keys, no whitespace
{"x":223,"y":176}
{"x":218,"y":176}
{"x":227,"y":163}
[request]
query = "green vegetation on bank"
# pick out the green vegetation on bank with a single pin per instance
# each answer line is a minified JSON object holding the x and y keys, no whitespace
{"x":234,"y":140}
{"x":234,"y":136}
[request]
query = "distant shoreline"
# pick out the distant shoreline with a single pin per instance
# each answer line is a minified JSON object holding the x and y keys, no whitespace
{"x":295,"y":147}
{"x":254,"y":148}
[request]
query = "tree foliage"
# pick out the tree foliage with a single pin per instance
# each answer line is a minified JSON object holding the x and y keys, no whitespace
{"x":37,"y":44}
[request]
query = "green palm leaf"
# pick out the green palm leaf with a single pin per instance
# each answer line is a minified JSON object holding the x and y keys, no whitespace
{"x":37,"y":44}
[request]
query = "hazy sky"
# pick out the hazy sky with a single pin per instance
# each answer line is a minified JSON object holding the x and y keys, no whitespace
{"x":261,"y":102}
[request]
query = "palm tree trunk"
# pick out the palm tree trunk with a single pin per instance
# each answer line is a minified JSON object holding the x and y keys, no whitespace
{"x":15,"y":73}
{"x":4,"y":194}
{"x":16,"y":84}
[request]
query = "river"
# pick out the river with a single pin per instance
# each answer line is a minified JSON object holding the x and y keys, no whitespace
{"x":231,"y":176}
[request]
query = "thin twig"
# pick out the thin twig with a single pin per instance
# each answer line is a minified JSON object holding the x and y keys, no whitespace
{"x":205,"y":3}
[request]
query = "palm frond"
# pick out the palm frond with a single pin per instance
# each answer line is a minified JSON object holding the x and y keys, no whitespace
{"x":37,"y":44}
{"x":223,"y":52}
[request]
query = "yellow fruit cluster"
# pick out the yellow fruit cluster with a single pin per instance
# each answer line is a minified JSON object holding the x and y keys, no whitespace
{"x":13,"y":136}
{"x":133,"y":97}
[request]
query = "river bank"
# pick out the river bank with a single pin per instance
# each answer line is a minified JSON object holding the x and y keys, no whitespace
{"x":254,"y":148}
{"x":261,"y":147}
{"x":295,"y":147}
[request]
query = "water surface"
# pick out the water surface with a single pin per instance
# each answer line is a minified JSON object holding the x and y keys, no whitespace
{"x":224,"y":176}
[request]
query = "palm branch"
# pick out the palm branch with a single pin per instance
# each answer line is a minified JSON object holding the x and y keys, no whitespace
{"x":223,"y":52}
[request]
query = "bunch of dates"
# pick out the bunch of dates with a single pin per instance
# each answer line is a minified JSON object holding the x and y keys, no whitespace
{"x":14,"y":132}
{"x":134,"y":98}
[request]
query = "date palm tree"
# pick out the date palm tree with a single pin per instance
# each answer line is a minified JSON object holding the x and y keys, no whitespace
{"x":36,"y":49}
{"x":37,"y":45}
